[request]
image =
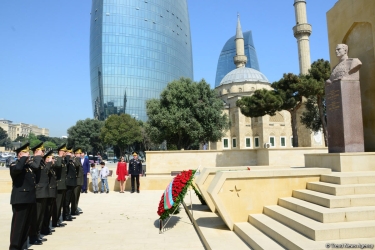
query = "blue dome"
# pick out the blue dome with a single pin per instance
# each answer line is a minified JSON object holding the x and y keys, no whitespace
{"x":244,"y":75}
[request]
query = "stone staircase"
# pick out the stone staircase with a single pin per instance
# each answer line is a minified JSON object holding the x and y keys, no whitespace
{"x":339,"y":209}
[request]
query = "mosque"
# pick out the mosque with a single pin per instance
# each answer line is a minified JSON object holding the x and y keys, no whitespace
{"x":246,"y":77}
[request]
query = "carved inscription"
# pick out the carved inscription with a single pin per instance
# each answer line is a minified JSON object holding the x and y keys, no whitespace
{"x":333,"y":98}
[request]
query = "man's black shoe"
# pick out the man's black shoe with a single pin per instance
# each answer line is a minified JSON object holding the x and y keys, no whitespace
{"x":42,"y":239}
{"x":69,"y":218}
{"x":58,"y":225}
{"x":138,"y":191}
{"x":52,"y":230}
{"x":35,"y":242}
{"x":46,"y":232}
{"x":132,"y":191}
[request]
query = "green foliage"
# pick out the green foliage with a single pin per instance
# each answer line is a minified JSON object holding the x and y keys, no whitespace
{"x":6,"y":142}
{"x":4,"y":139}
{"x":187,"y":112}
{"x":50,"y":145}
{"x":314,"y":117}
{"x":3,"y":134}
{"x":86,"y":135}
{"x":197,"y":193}
{"x":291,"y":89}
{"x":21,"y":139}
{"x":121,"y":131}
{"x":262,"y":102}
{"x":42,"y":138}
{"x":33,"y":140}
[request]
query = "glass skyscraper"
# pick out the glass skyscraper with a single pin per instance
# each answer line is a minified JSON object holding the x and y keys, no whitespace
{"x":226,"y":64}
{"x":136,"y":48}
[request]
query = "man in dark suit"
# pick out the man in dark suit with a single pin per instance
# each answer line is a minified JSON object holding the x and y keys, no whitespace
{"x":135,"y":169}
{"x":86,"y":170}
{"x":41,"y":181}
{"x":23,"y":195}
{"x":71,"y":183}
{"x":77,"y":189}
{"x":60,"y":170}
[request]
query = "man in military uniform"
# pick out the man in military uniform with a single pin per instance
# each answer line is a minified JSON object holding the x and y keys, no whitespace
{"x":135,"y":169}
{"x":23,"y":195}
{"x":41,"y":180}
{"x":60,"y":169}
{"x":52,"y":192}
{"x":77,"y":189}
{"x":71,"y":183}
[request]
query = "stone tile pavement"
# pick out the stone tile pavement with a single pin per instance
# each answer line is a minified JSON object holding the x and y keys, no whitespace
{"x":113,"y":221}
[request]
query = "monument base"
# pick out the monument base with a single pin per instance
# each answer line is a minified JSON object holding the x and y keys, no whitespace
{"x":342,"y":162}
{"x":344,"y":115}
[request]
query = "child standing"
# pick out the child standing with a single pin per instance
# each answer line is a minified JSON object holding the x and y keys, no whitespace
{"x":103,"y":176}
{"x":94,"y":178}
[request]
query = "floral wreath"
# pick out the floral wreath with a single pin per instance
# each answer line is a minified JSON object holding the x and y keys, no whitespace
{"x":175,"y":193}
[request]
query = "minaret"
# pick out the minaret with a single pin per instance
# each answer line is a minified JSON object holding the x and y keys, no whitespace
{"x":302,"y":31}
{"x":240,"y":59}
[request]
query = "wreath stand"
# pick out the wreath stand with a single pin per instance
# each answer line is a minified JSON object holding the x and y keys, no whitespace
{"x":162,"y":225}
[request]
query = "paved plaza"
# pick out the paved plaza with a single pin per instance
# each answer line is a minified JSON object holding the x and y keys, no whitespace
{"x":113,"y":221}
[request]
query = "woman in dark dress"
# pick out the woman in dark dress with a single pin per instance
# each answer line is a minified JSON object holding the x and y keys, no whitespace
{"x":121,"y":172}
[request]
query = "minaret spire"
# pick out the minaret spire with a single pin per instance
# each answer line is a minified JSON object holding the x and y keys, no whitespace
{"x":240,"y":59}
{"x":302,"y":31}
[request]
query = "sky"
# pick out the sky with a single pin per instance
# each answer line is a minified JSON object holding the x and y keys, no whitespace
{"x":44,"y":51}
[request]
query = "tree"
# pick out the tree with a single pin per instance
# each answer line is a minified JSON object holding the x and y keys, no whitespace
{"x":33,"y":140}
{"x":4,"y":139}
{"x":3,"y":134}
{"x":121,"y":131}
{"x":86,"y":135}
{"x":49,"y":145}
{"x":187,"y":113}
{"x":21,"y":139}
{"x":287,"y":94}
{"x":314,"y":117}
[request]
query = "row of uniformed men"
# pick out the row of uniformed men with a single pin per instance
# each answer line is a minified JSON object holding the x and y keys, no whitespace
{"x":42,"y":187}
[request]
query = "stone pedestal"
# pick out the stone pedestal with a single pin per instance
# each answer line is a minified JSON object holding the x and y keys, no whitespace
{"x":344,"y":117}
{"x":342,"y":162}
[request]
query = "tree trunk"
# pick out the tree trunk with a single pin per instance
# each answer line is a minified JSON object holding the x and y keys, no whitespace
{"x":322,"y":119}
{"x":293,"y":118}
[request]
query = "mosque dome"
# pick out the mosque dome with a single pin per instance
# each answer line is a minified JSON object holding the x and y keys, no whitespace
{"x":244,"y":74}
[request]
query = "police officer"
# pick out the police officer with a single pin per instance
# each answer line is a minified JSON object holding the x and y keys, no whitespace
{"x":77,"y":189}
{"x":71,"y":183}
{"x":52,"y":192}
{"x":41,"y":180}
{"x":60,"y":170}
{"x":23,"y":195}
{"x":135,"y":169}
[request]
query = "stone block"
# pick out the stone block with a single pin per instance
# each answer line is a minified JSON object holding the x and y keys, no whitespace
{"x":342,"y":162}
{"x":239,"y":193}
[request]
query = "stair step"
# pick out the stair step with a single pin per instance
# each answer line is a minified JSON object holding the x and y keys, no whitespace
{"x":282,"y":234}
{"x":254,"y":237}
{"x":332,"y":201}
{"x":320,"y":231}
{"x":340,"y":189}
{"x":344,"y":178}
{"x":328,"y":215}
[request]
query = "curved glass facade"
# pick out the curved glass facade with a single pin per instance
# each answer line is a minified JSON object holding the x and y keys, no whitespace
{"x":136,"y":49}
{"x":226,"y":64}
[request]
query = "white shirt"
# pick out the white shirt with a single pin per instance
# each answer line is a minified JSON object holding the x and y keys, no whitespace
{"x":104,"y":173}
